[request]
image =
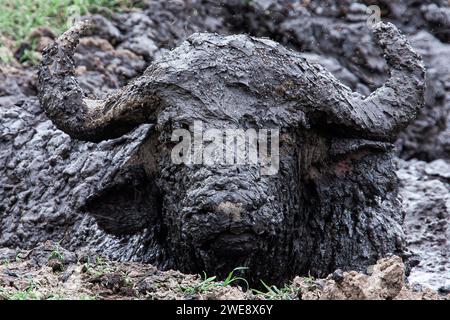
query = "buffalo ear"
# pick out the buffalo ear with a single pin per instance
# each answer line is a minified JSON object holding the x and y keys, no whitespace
{"x":128,"y":204}
{"x":130,"y":201}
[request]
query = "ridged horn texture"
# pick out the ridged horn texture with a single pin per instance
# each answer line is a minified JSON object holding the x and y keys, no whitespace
{"x":91,"y":120}
{"x":388,"y":109}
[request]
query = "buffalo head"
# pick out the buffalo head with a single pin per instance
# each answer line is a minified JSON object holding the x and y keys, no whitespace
{"x":331,"y":200}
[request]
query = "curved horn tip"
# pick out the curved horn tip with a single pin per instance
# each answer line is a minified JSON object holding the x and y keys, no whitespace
{"x":81,"y":26}
{"x":384,"y":31}
{"x":397,"y":49}
{"x":74,"y":33}
{"x":383,"y":25}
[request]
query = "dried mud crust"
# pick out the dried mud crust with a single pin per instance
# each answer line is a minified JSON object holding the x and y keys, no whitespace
{"x":51,"y":272}
{"x":425,"y":190}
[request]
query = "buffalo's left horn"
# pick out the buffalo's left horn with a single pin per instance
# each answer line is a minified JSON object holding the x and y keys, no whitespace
{"x":91,"y":120}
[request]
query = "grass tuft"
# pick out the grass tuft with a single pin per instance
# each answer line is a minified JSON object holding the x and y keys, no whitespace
{"x":274,"y":293}
{"x":18,"y":18}
{"x":209,"y":283}
{"x":28,"y":294}
{"x":57,"y":253}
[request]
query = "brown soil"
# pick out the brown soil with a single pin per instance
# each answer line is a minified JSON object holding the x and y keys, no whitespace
{"x":51,"y":272}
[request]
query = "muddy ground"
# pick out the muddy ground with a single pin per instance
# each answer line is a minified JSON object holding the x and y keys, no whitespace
{"x":119,"y":50}
{"x":50,"y":272}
